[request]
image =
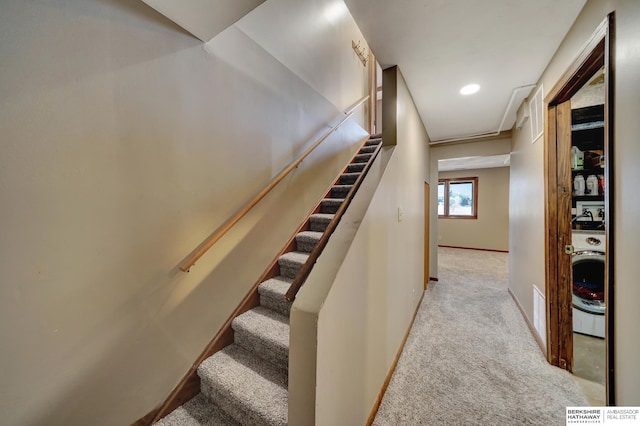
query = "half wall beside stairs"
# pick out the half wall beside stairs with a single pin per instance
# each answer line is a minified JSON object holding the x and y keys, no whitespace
{"x":357,"y":316}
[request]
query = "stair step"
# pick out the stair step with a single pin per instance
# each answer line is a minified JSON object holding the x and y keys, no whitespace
{"x":355,"y":167}
{"x":198,"y":411}
{"x":361,"y":158}
{"x":251,"y":390}
{"x":367,"y":149}
{"x":373,"y":141}
{"x":307,"y":240}
{"x":264,"y":332}
{"x":291,"y":262}
{"x":340,"y":191}
{"x":330,"y":205}
{"x":272,"y":294}
{"x":348,"y":178}
{"x":319,"y":221}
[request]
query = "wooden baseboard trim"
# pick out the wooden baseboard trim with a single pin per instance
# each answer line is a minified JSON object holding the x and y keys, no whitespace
{"x":533,"y":330}
{"x":387,"y":379}
{"x":474,"y":248}
{"x":433,"y":279}
{"x":147,"y":419}
{"x":189,"y":386}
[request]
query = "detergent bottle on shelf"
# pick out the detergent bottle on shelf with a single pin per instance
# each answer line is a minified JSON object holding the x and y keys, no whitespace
{"x":592,"y":185}
{"x":578,"y":185}
{"x":577,"y":158}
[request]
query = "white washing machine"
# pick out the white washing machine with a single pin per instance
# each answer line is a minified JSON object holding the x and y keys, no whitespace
{"x":588,"y":265}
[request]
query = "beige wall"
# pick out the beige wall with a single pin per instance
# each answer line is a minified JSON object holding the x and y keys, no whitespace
{"x":359,"y":319}
{"x":491,"y":229}
{"x":527,"y":224}
{"x":125,"y":142}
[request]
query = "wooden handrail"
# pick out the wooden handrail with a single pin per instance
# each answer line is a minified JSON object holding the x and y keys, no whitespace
{"x":228,"y":224}
{"x":305,"y":270}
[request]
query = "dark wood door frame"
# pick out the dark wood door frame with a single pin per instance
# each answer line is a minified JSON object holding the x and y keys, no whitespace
{"x":560,"y":343}
{"x":598,"y":52}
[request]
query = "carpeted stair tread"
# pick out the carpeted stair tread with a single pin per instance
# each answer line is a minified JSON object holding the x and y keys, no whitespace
{"x":251,"y":390}
{"x":272,"y":292}
{"x":340,"y":191}
{"x":355,"y":167}
{"x":264,"y":332}
{"x":348,"y":178}
{"x":330,"y":205}
{"x":198,"y":411}
{"x":361,"y":158}
{"x":373,"y":142}
{"x":319,"y":221}
{"x":291,"y":262}
{"x":307,"y":240}
{"x":367,"y":149}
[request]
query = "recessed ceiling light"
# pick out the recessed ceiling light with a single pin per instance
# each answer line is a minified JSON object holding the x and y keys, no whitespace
{"x":470,"y":89}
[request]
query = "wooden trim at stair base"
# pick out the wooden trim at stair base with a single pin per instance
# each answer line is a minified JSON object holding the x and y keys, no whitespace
{"x":387,"y":379}
{"x":475,"y":248}
{"x":529,"y":324}
{"x":146,"y":419}
{"x":189,"y":386}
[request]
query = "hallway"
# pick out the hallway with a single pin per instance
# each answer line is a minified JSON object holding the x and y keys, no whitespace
{"x":470,"y":358}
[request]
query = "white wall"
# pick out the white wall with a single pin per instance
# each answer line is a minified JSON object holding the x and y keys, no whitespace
{"x":204,"y":18}
{"x":363,"y":315}
{"x":125,"y":142}
{"x":491,"y":229}
{"x":527,"y":224}
{"x":313,"y":40}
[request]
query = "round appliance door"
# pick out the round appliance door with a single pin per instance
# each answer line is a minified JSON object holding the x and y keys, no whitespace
{"x":588,"y":281}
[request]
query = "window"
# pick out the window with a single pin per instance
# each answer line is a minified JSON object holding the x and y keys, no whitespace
{"x":461,"y":200}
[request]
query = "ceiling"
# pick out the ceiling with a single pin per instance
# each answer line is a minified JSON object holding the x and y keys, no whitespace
{"x":442,"y":45}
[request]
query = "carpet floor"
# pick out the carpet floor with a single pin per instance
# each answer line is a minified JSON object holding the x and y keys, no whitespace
{"x":471,"y":359}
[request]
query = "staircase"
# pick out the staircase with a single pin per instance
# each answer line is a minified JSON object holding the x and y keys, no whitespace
{"x":246,"y":382}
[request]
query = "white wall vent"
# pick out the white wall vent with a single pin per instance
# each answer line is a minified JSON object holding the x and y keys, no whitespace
{"x":536,"y":114}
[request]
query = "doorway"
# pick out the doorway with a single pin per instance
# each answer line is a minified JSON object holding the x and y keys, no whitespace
{"x":578,"y":147}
